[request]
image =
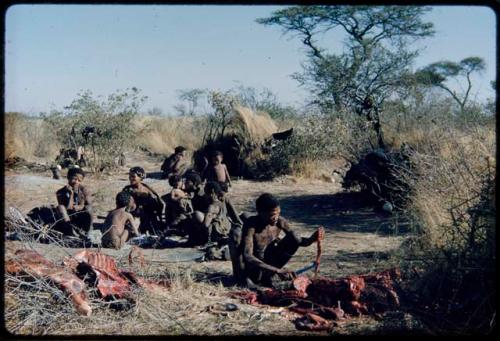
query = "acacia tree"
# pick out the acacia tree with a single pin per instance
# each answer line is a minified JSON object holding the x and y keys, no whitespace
{"x":375,"y":60}
{"x":440,"y":73}
{"x":192,"y":97}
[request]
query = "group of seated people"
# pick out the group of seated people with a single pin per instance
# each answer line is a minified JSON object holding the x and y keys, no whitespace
{"x":198,"y":208}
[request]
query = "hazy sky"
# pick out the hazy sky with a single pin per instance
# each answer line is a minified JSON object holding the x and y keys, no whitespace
{"x":54,"y":51}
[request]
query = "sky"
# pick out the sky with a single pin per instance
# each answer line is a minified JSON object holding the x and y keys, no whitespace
{"x":53,"y":52}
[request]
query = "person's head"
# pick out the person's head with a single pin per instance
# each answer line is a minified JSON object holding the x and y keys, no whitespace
{"x":75,"y":176}
{"x":135,"y":175}
{"x":216,"y":157}
{"x":268,"y":208}
{"x":213,"y":190}
{"x":192,"y":181}
{"x":180,"y":150}
{"x":124,"y":199}
{"x":175,"y":181}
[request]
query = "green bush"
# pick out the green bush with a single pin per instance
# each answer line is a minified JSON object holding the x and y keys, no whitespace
{"x":112,"y":120}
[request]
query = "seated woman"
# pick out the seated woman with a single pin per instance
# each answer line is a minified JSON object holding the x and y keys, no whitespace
{"x":149,"y":206}
{"x":212,"y":224}
{"x":178,"y":207}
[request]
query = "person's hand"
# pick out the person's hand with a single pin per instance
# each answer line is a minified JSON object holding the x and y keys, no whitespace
{"x":287,"y":273}
{"x":319,"y":234}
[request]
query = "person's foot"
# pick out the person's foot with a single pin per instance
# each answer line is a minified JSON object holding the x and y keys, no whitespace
{"x":226,"y":255}
{"x":207,"y":246}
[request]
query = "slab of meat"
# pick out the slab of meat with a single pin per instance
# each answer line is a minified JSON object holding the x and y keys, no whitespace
{"x":110,"y":280}
{"x":104,"y":273}
{"x":31,"y":263}
{"x":329,"y":299}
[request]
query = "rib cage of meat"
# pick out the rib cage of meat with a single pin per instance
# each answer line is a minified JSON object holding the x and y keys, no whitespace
{"x":31,"y":263}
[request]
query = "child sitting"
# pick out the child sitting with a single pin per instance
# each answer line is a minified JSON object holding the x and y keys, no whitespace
{"x":120,"y":225}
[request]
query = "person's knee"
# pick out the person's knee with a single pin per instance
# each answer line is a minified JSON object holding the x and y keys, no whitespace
{"x":244,"y":216}
{"x":235,"y":235}
{"x":198,"y":217}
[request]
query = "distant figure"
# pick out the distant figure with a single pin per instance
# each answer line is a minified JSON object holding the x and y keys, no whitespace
{"x":120,"y":225}
{"x":175,"y":164}
{"x":217,"y":171}
{"x":56,"y":172}
{"x":149,"y":206}
{"x":122,"y":161}
{"x":74,"y":205}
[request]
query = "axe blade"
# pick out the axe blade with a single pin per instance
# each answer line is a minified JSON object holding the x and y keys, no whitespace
{"x":311,"y":266}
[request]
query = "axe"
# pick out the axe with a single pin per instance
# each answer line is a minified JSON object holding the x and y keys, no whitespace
{"x":311,"y":266}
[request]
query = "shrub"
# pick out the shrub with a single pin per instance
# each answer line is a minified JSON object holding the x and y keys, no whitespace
{"x":103,"y":127}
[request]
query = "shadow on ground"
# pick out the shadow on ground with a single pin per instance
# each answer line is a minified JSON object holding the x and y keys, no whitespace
{"x":154,"y":175}
{"x":224,"y":278}
{"x":344,"y":211}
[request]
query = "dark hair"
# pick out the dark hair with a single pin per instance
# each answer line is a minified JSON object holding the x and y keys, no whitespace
{"x":174,"y":179}
{"x":194,"y":177}
{"x":266,"y":202}
{"x":179,"y":149}
{"x":215,"y":153}
{"x":139,"y":171}
{"x":74,"y":171}
{"x":213,"y":187}
{"x":123,"y":199}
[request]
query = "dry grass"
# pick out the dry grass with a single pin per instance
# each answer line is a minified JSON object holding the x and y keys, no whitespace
{"x":451,"y":163}
{"x":254,"y":127}
{"x":28,"y":138}
{"x":162,"y":134}
{"x":37,"y":307}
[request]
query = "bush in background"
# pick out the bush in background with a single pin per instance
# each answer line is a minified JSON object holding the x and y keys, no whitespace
{"x":109,"y":121}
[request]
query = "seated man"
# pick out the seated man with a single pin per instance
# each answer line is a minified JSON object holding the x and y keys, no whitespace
{"x":74,"y":206}
{"x":120,"y":225}
{"x":258,"y":255}
{"x":149,"y":206}
{"x":175,"y":164}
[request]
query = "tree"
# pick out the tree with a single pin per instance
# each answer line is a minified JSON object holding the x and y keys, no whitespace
{"x":374,"y":62}
{"x":192,"y":97}
{"x":438,"y":74}
{"x":223,"y":104}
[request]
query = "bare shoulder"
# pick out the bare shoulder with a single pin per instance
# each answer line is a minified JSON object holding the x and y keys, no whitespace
{"x":283,"y":224}
{"x":214,"y":208}
{"x":84,"y":189}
